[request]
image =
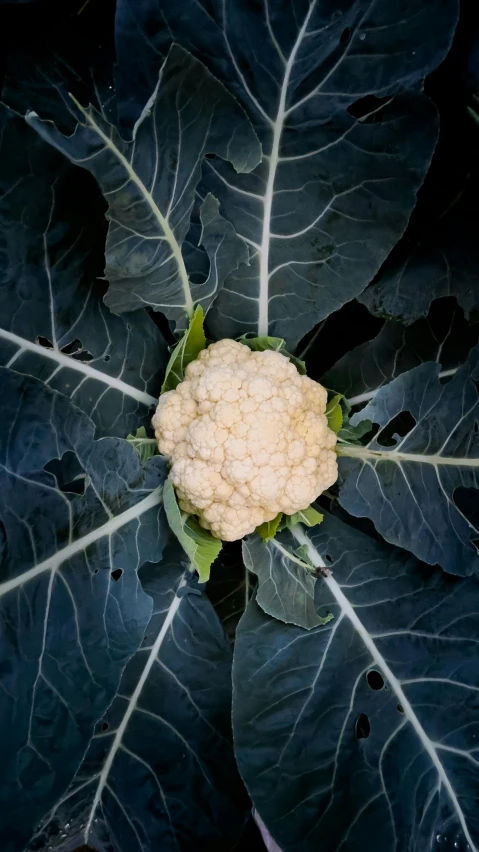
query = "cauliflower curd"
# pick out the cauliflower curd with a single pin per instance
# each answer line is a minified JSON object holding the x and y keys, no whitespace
{"x":247,"y":437}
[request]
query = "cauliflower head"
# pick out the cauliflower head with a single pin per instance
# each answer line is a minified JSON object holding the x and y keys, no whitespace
{"x":247,"y":438}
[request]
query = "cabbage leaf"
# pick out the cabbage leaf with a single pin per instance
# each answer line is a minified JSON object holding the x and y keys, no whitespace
{"x":364,"y":727}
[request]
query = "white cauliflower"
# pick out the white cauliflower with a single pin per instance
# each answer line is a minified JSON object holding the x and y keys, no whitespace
{"x":247,"y":437}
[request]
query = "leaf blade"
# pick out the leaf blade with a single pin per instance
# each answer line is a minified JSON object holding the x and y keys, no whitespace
{"x":150,"y":182}
{"x":137,"y":739}
{"x":69,"y":590}
{"x":392,"y":615}
{"x":289,"y":219}
{"x":185,"y":351}
{"x":200,"y":545}
{"x":422,"y":474}
{"x":285,"y":584}
{"x":276,"y":344}
{"x":59,"y":329}
{"x":145,"y":447}
{"x":334,"y":413}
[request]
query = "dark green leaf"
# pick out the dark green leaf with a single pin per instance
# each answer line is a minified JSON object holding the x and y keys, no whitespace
{"x":78,"y":517}
{"x":285,"y":583}
{"x":150,"y":183}
{"x":362,"y":733}
{"x":443,"y":261}
{"x":419,"y":485}
{"x":162,"y":749}
{"x":338,"y":182}
{"x":53,"y":322}
{"x":444,"y":336}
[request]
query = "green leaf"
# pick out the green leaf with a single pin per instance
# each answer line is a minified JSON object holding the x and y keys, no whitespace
{"x":199,"y":544}
{"x":302,"y":553}
{"x":145,"y":447}
{"x":261,"y":344}
{"x":352,"y":434}
{"x":187,"y":350}
{"x":268,"y":530}
{"x":309,"y":517}
{"x":334,"y":413}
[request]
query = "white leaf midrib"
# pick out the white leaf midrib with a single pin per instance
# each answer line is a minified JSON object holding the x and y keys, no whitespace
{"x":103,"y":776}
{"x":345,"y":450}
{"x":263,"y":301}
{"x":368,"y":395}
{"x":80,"y":366}
{"x":162,"y":220}
{"x":348,"y":611}
{"x":64,"y":553}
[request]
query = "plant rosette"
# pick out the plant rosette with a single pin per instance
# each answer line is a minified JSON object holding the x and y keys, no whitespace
{"x":330,"y":526}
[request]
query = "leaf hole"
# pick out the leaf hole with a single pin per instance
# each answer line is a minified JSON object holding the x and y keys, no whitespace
{"x":71,"y":348}
{"x":45,"y":342}
{"x":400,"y":708}
{"x":398,"y":427}
{"x":466,"y":501}
{"x":362,"y":727}
{"x":105,"y":726}
{"x":116,"y":574}
{"x":346,"y":35}
{"x":328,"y":558}
{"x":68,"y":472}
{"x":107,"y":358}
{"x":363,"y":107}
{"x":375,"y":680}
{"x":84,"y":355}
{"x":210,"y":156}
{"x":162,"y":323}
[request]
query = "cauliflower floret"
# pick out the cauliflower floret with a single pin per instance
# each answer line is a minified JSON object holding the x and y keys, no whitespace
{"x":247,"y":437}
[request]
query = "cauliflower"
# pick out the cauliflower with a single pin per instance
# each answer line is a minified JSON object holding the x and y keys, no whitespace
{"x":247,"y":438}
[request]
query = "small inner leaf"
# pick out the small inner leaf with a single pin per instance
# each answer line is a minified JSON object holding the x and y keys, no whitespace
{"x":349,"y":434}
{"x":276,"y":344}
{"x":334,"y":413}
{"x":185,"y":351}
{"x":267,"y":531}
{"x":309,"y":517}
{"x":146,"y":447}
{"x":199,"y":544}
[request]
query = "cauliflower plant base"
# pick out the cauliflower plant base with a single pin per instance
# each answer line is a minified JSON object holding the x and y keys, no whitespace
{"x":247,"y":437}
